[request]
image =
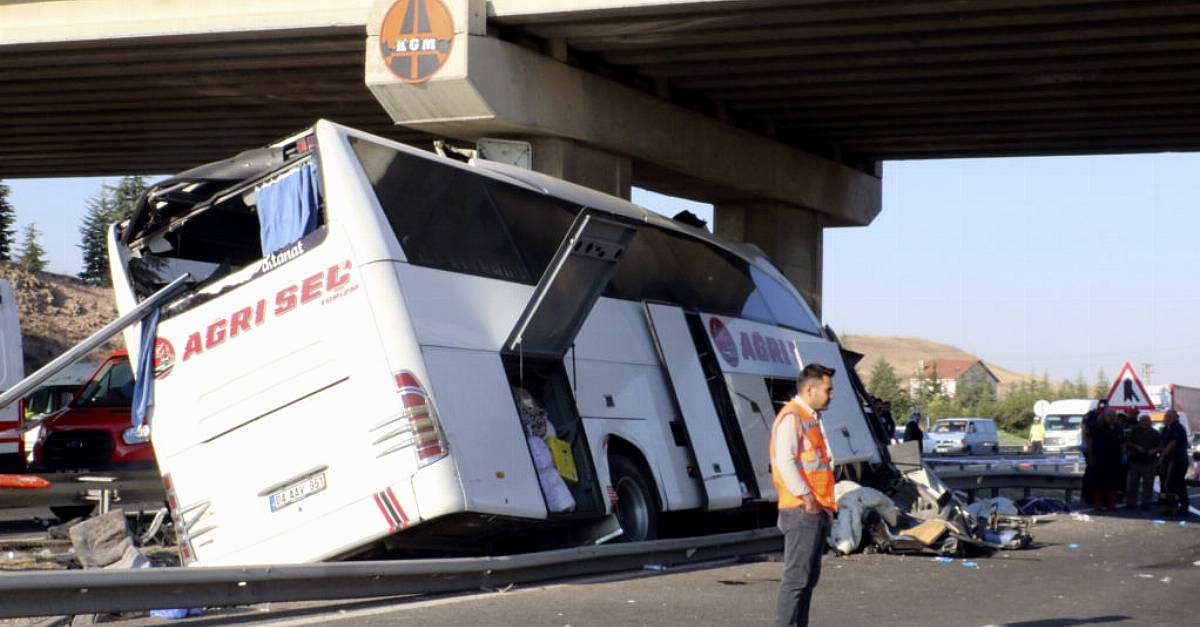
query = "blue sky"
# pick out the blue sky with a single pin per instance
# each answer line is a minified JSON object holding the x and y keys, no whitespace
{"x":1056,"y":264}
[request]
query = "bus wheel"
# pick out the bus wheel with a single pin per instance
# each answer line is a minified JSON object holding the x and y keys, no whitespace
{"x":637,"y":506}
{"x":67,"y":513}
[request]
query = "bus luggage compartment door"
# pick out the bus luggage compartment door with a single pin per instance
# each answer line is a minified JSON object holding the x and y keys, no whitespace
{"x":681,"y":363}
{"x":570,"y":287}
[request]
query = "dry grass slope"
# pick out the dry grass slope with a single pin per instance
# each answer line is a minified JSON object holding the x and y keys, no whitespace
{"x":903,"y":353}
{"x":58,"y":312}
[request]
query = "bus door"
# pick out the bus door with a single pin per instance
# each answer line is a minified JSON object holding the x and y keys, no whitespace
{"x":535,"y":349}
{"x":714,"y":444}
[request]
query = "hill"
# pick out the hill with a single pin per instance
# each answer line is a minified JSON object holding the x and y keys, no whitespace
{"x":57,"y":312}
{"x":903,"y":353}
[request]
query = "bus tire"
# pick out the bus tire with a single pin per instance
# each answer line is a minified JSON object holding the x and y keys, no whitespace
{"x":67,"y":513}
{"x":637,"y":505}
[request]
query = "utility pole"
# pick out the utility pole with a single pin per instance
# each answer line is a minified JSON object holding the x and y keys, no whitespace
{"x":1147,"y":370}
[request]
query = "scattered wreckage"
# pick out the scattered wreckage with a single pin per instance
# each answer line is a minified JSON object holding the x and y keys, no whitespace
{"x":923,"y":516}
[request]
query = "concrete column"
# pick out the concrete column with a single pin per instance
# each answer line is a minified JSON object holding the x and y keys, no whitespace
{"x":790,"y":236}
{"x":579,"y":163}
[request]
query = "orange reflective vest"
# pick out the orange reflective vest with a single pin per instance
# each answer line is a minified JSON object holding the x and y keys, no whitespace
{"x":815,"y":465}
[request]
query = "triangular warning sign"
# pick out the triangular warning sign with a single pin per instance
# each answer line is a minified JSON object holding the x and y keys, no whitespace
{"x":1128,"y":392}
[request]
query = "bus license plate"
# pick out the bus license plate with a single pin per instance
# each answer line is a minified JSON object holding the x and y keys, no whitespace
{"x":297,"y":491}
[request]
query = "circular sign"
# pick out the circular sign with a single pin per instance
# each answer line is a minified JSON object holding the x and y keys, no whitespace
{"x":164,"y":358}
{"x":415,"y":38}
{"x":723,"y":340}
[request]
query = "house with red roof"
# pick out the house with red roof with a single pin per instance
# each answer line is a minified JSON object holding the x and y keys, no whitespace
{"x":952,"y":374}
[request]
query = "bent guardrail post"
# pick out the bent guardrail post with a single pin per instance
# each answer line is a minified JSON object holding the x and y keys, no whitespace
{"x":80,"y":350}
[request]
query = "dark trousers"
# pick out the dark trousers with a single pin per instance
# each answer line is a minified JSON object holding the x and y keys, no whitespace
{"x":803,"y":543}
{"x":1175,"y":483}
{"x":1139,"y":484}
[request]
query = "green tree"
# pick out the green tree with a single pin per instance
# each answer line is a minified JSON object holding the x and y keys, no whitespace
{"x":884,"y":384}
{"x":928,"y":388}
{"x":1080,"y":387}
{"x":113,"y":203}
{"x":1103,"y":385}
{"x":33,"y":256}
{"x":8,"y":215}
{"x":974,"y":390}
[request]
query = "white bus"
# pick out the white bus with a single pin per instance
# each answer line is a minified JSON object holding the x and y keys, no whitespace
{"x":344,"y":371}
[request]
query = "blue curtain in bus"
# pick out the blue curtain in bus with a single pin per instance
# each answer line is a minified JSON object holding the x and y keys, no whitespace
{"x":287,"y":208}
{"x":143,"y":386}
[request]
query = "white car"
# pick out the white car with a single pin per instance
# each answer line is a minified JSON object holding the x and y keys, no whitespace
{"x":970,"y":436}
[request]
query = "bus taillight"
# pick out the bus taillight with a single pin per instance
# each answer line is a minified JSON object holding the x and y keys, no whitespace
{"x":422,"y":419}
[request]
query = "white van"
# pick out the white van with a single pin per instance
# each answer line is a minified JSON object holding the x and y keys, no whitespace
{"x":353,"y":384}
{"x":1064,"y":423}
{"x":12,"y":370}
{"x":971,"y":436}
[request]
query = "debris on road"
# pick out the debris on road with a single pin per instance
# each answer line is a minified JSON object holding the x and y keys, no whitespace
{"x":920,"y":514}
{"x":1042,"y":506}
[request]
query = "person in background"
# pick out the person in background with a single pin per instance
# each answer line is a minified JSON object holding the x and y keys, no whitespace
{"x":1037,"y":436}
{"x":1175,"y":458}
{"x":1108,"y":477}
{"x":913,"y":433}
{"x":1090,"y":420}
{"x":889,"y":421}
{"x":1142,"y":446}
{"x":802,"y":473}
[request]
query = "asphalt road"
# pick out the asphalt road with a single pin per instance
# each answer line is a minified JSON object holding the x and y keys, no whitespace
{"x":1121,"y":570}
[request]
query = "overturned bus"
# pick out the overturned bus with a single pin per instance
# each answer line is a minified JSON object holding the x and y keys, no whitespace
{"x":372,"y":332}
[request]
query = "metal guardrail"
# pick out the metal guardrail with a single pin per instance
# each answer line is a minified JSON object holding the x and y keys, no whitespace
{"x":77,"y":488}
{"x":91,"y":591}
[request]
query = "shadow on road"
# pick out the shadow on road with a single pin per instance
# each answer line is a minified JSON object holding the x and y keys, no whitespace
{"x":1067,"y":622}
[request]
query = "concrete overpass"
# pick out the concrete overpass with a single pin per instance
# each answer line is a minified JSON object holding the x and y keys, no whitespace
{"x":779,"y":112}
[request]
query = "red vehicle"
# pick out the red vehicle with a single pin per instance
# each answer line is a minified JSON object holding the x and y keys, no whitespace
{"x":93,"y":431}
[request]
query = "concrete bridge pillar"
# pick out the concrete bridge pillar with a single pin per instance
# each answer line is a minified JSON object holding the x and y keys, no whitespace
{"x":790,"y":236}
{"x":583,"y":164}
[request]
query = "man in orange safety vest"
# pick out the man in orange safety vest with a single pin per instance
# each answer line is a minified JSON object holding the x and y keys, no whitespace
{"x":802,"y":472}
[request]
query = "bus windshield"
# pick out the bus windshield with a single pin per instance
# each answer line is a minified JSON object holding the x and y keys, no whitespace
{"x":1063,"y":423}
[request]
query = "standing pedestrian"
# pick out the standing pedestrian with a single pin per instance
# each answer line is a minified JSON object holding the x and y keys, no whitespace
{"x":1037,"y":436}
{"x":913,"y":433}
{"x":1108,"y":476}
{"x":889,"y":421}
{"x":1090,"y":420}
{"x":802,"y":472}
{"x":1142,"y":446}
{"x":1175,"y":459}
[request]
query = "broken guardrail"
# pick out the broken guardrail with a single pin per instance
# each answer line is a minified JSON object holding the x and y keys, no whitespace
{"x":92,"y":591}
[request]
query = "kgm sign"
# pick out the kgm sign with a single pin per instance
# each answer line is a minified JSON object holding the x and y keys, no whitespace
{"x":415,"y":38}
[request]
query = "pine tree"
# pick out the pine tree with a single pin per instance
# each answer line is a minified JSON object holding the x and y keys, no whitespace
{"x":1081,"y":387}
{"x":33,"y":256}
{"x":8,"y":215}
{"x":93,"y":244}
{"x":1103,"y":385}
{"x":113,"y":203}
{"x":885,"y":385}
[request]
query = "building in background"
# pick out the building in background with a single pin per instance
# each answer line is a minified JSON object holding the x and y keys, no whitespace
{"x":952,"y":375}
